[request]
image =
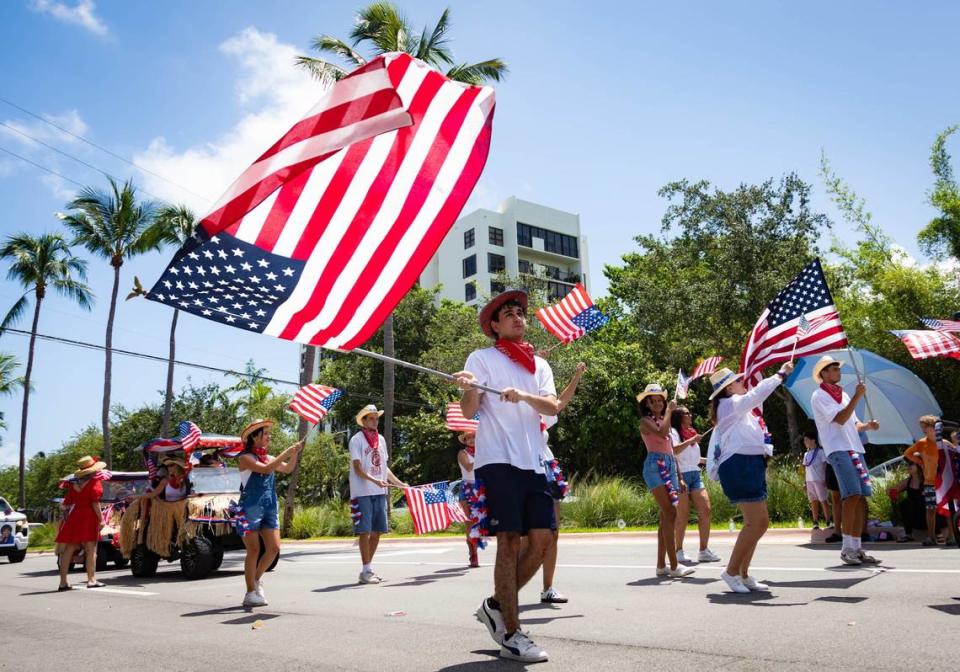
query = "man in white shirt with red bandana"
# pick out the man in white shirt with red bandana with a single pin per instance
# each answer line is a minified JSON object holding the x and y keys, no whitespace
{"x":508,"y":463}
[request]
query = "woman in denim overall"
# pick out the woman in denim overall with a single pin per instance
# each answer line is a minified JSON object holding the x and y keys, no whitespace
{"x":258,"y":504}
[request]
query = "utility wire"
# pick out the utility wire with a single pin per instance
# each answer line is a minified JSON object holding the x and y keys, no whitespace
{"x":204,"y":367}
{"x":34,"y":163}
{"x":71,"y":156}
{"x":101,"y":148}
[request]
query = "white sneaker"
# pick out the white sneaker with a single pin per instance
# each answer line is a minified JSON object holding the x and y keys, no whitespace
{"x":707,"y":555}
{"x":866,"y":559}
{"x":681,"y":572}
{"x":662,"y":571}
{"x":850,"y":558}
{"x":753,"y":585}
{"x":259,"y":590}
{"x":734,"y":583}
{"x":493,"y":619}
{"x":252,"y":599}
{"x":682,"y":557}
{"x":520,"y":647}
{"x":369,"y":577}
{"x":552,"y":596}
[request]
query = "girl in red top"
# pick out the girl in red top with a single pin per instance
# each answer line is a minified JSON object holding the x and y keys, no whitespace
{"x":81,"y":524}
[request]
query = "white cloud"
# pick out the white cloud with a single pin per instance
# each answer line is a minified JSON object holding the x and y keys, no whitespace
{"x":70,"y":120}
{"x":26,"y":133}
{"x":274,"y":94}
{"x":81,"y":14}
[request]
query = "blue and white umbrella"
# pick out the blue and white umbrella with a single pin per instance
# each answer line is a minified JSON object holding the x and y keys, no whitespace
{"x":896,"y":396}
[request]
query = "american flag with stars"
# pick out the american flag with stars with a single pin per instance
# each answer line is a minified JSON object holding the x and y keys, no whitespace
{"x":433,"y":507}
{"x":189,"y":435}
{"x":924,"y":344}
{"x":323,"y":234}
{"x":313,"y":402}
{"x":574,"y":316}
{"x":941,"y":325}
{"x":776,"y":332}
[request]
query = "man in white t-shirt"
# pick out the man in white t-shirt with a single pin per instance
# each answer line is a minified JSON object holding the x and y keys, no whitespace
{"x":509,"y":463}
{"x":369,"y":478}
{"x":838,"y":427}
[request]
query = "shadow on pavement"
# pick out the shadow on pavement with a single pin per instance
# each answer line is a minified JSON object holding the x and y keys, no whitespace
{"x":250,"y":619}
{"x":220,"y":611}
{"x":495,"y":663}
{"x":342,"y":586}
{"x":749,"y":599}
{"x":827,"y":584}
{"x":952,"y":609}
{"x":430,"y":578}
{"x":841,"y":599}
{"x":546,"y":619}
{"x":652,"y":581}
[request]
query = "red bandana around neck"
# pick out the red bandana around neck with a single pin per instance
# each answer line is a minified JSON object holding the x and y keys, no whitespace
{"x":834,"y":391}
{"x":471,"y":450}
{"x":373,"y":438}
{"x":687,"y":433}
{"x":520,"y":352}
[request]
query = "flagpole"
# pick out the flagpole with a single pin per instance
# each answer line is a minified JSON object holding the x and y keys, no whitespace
{"x":421,"y":369}
{"x":861,"y":379}
{"x":794,"y":351}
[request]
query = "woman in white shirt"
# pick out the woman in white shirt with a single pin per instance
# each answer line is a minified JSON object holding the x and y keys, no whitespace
{"x":740,"y":447}
{"x":686,"y":447}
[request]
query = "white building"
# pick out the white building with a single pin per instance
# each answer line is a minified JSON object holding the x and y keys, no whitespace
{"x":519,"y":237}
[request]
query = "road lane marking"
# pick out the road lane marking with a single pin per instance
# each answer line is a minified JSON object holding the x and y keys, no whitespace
{"x":117,"y":591}
{"x":353,"y":556}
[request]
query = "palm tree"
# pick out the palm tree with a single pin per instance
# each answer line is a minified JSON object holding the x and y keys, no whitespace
{"x":9,"y":381}
{"x":111,"y":224}
{"x":39,"y":263}
{"x":174,"y":225}
{"x":381,"y":27}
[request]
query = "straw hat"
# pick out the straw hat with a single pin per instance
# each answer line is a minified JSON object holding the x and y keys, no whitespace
{"x":369,"y":409}
{"x":653,"y":389}
{"x":821,"y":364}
{"x":86,"y":465}
{"x":170,"y":459}
{"x":721,"y":378}
{"x":254,"y":426}
{"x":486,"y":315}
{"x":464,"y":435}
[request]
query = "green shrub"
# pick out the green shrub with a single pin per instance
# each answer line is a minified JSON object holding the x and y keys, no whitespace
{"x":602,"y":502}
{"x":43,"y":536}
{"x":329,"y":519}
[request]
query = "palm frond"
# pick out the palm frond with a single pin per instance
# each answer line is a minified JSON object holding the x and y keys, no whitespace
{"x":80,"y":292}
{"x":16,"y":312}
{"x":478,"y":74}
{"x":9,"y":381}
{"x":321,"y":70}
{"x":334,"y":45}
{"x":434,"y":49}
{"x":382,"y":25}
{"x":173,"y":225}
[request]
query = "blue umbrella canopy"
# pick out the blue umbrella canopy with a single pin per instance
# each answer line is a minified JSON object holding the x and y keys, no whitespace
{"x":896,"y":396}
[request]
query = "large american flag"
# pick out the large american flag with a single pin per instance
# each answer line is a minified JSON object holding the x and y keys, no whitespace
{"x":433,"y":507}
{"x":776,"y":333}
{"x":312,"y":402}
{"x":457,"y":423}
{"x":573,"y":316}
{"x":941,"y":325}
{"x":321,"y":237}
{"x":924,"y":343}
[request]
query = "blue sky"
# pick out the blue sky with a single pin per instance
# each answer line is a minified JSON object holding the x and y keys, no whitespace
{"x":605,"y":103}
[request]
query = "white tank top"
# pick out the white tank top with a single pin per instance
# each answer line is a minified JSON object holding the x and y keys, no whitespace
{"x":466,"y":474}
{"x":172,"y":494}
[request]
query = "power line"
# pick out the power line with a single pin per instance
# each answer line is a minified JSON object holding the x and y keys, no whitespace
{"x":71,"y":156}
{"x":102,"y":149}
{"x":204,"y":367}
{"x":34,"y":163}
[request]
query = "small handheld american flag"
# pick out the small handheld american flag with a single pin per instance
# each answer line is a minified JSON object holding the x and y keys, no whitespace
{"x":433,"y":507}
{"x":457,"y":423}
{"x":941,"y":325}
{"x":573,"y":316}
{"x":189,"y":435}
{"x":924,"y":344}
{"x":706,"y":367}
{"x":313,"y":402}
{"x":683,"y":385}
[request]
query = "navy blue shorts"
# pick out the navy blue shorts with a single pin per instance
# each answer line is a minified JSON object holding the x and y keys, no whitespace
{"x":518,"y":500}
{"x":744,"y":478}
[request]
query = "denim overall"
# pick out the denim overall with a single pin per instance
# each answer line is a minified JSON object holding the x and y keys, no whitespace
{"x":258,"y":499}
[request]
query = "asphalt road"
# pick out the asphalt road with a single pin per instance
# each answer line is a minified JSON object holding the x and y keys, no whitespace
{"x":902,"y":615}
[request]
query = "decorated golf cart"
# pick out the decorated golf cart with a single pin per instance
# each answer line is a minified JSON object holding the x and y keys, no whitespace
{"x":14,"y":533}
{"x":197,"y":527}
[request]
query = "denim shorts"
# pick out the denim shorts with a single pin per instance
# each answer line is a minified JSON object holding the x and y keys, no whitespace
{"x":651,"y":470}
{"x":373,"y":515}
{"x":744,"y":478}
{"x":518,"y":500}
{"x":693,"y":479}
{"x":848,"y":478}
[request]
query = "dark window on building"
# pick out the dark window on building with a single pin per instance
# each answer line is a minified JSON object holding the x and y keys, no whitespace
{"x":496,"y":236}
{"x":556,"y":290}
{"x":497,"y":287}
{"x":470,"y":266}
{"x":558,"y":243}
{"x":469,"y":291}
{"x":496,"y":263}
{"x":468,"y":239}
{"x":523,"y":266}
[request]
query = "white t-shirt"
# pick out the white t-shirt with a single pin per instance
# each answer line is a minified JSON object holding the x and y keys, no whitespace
{"x":815,"y":466}
{"x":360,"y":450}
{"x":738,"y":430}
{"x":509,"y":433}
{"x":466,"y":474}
{"x":834,"y":437}
{"x":688,"y":459}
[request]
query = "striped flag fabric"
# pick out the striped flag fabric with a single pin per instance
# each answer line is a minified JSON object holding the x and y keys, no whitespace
{"x":313,"y":402}
{"x":457,"y":423}
{"x":706,"y":367}
{"x":924,"y":343}
{"x":433,"y":507}
{"x":573,"y":316}
{"x":775,"y":334}
{"x":189,"y":435}
{"x":947,"y":485}
{"x":683,"y":385}
{"x":941,"y":325}
{"x":320,"y":238}
{"x":808,"y":326}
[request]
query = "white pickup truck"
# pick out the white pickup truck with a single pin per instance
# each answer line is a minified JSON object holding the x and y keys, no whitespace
{"x":14,"y":533}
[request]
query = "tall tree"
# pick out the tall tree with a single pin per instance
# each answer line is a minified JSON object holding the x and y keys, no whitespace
{"x":114,"y":225}
{"x":942,"y":234}
{"x":174,"y":225}
{"x":382,"y":28}
{"x":39,"y":263}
